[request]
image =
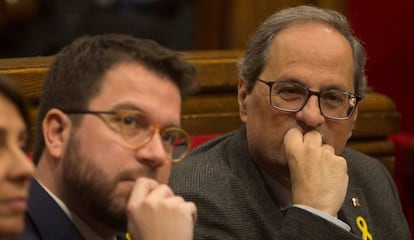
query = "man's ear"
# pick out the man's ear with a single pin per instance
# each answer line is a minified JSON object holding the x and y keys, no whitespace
{"x":242,"y":99}
{"x":56,"y":132}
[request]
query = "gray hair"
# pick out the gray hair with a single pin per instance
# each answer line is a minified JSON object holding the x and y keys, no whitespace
{"x":252,"y":64}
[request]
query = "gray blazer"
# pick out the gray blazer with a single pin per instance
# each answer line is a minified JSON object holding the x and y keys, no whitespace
{"x":233,"y":201}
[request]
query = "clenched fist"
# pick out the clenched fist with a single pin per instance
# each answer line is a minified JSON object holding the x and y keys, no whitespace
{"x":319,"y":177}
{"x":154,"y":212}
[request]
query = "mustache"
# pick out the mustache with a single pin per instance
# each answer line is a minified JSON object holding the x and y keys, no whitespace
{"x":305,"y":129}
{"x":129,"y":175}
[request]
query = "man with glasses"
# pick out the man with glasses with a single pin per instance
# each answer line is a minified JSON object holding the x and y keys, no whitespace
{"x":286,"y":173}
{"x":108,"y":132}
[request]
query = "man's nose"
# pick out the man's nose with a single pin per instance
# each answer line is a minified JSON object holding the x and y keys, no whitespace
{"x":153,"y":153}
{"x":311,"y":113}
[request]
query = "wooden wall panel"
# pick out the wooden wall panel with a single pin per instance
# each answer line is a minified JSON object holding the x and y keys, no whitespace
{"x":214,"y":110}
{"x":227,"y":24}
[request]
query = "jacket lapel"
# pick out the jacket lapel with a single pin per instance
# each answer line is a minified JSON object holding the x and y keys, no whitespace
{"x":355,"y":212}
{"x":49,"y":219}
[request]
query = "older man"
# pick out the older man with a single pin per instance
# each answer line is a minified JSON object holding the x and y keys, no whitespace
{"x":286,"y":174}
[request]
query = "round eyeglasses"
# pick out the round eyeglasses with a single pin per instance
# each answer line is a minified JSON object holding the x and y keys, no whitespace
{"x":137,"y":130}
{"x":292,"y":97}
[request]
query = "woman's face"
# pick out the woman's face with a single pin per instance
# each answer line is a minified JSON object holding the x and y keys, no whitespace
{"x":15,"y":169}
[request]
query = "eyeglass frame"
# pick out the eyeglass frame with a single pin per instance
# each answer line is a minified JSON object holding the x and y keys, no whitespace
{"x":153,"y":128}
{"x":309,"y":94}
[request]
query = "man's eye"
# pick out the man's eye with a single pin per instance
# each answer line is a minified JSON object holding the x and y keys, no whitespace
{"x":169,"y":138}
{"x":334,"y":97}
{"x":136,"y":121}
{"x":289,"y":92}
{"x":129,"y":120}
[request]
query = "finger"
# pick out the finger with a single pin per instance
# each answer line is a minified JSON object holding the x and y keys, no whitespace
{"x":313,"y":137}
{"x":143,"y":186}
{"x":328,"y":148}
{"x":292,"y":138}
{"x":188,"y":206}
{"x":193,"y":209}
{"x":160,"y":192}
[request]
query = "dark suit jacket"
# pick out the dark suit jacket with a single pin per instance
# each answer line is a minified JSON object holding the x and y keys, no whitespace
{"x":233,"y":201}
{"x":45,"y":219}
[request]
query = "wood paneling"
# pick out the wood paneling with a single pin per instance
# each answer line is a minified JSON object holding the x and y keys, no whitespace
{"x":227,"y":24}
{"x":214,"y":109}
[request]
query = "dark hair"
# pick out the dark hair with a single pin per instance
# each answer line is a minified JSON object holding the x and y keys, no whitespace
{"x":257,"y":51}
{"x":75,"y":76}
{"x":12,"y":92}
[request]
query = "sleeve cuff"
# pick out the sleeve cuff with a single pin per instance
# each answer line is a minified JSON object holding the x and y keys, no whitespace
{"x":326,"y":216}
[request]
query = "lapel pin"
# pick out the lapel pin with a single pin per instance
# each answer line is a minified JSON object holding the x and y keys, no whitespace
{"x":363,"y":227}
{"x":355,"y":202}
{"x":128,"y":236}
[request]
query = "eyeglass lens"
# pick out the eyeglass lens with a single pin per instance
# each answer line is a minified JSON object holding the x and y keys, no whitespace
{"x":292,"y":97}
{"x":138,"y":130}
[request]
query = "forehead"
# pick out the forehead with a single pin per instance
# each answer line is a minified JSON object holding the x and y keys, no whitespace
{"x":309,"y":51}
{"x":131,"y":84}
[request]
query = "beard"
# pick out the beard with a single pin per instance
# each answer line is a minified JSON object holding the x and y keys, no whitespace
{"x":89,"y":192}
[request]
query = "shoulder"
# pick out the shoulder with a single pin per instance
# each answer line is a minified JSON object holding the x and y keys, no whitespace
{"x":218,"y":166}
{"x":368,"y":172}
{"x":360,"y":162}
{"x":210,"y":158}
{"x":45,"y":219}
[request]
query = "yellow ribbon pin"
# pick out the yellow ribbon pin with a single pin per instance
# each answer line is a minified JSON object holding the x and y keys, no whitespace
{"x":363,"y":227}
{"x":128,"y":236}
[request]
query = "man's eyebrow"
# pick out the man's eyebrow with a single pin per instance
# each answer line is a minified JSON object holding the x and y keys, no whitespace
{"x":294,"y":80}
{"x":126,"y":106}
{"x":289,"y":79}
{"x":334,"y":87}
{"x":130,"y":106}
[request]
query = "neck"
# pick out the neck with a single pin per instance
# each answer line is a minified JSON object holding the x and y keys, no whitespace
{"x":278,"y":174}
{"x":96,"y":226}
